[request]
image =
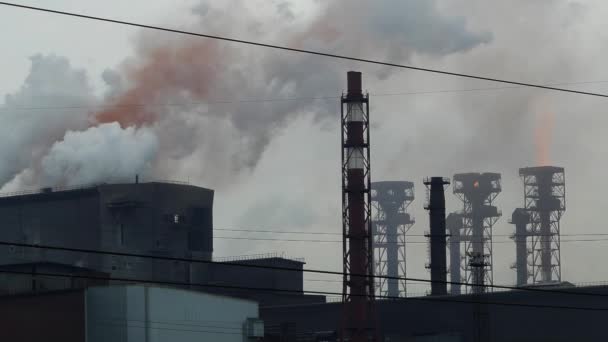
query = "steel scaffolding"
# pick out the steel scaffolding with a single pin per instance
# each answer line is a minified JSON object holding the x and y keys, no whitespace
{"x":477,"y":192}
{"x":391,"y":222}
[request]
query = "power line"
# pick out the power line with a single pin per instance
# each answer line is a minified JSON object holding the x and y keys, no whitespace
{"x":271,"y":100}
{"x":268,"y":231}
{"x":406,"y":241}
{"x":235,"y":325}
{"x":168,"y":329}
{"x":261,"y":289}
{"x":290,"y":269}
{"x":118,"y":322}
{"x":309,"y":52}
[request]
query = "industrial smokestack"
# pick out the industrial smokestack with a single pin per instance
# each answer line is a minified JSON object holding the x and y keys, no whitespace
{"x":358,"y":284}
{"x":454,"y":225}
{"x":436,"y":208}
{"x":354,"y":83}
{"x":521,"y":219}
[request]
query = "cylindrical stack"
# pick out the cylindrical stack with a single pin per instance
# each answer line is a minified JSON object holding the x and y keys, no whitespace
{"x":358,"y":285}
{"x":436,"y":208}
{"x":521,"y":219}
{"x":454,"y":226}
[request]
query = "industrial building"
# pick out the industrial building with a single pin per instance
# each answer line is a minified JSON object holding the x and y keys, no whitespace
{"x":159,"y":219}
{"x":163,"y":219}
{"x":510,"y":316}
{"x":130,"y":313}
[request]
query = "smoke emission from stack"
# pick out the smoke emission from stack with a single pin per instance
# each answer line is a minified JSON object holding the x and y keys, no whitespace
{"x":83,"y":158}
{"x":543,"y":135}
{"x":216,"y":142}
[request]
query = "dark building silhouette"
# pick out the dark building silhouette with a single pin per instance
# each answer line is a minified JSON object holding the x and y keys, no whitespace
{"x":157,"y":219}
{"x":173,"y":220}
{"x":510,"y":316}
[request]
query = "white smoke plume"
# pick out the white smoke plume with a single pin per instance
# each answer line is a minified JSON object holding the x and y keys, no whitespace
{"x":164,"y":99}
{"x":102,"y":153}
{"x":37,"y":115}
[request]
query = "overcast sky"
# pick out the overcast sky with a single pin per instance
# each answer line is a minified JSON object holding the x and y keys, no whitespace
{"x":276,"y":165}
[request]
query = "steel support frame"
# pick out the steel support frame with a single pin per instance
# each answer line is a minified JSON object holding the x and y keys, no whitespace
{"x":477,"y":228}
{"x":391,"y":222}
{"x":545,"y":201}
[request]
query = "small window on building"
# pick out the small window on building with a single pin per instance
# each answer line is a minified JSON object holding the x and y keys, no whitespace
{"x":174,"y":218}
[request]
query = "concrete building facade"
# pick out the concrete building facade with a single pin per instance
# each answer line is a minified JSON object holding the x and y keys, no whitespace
{"x":163,"y":219}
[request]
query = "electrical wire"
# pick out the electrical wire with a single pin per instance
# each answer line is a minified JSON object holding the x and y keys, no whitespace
{"x":147,"y":326}
{"x":230,"y":325}
{"x":198,"y":103}
{"x":406,"y":241}
{"x":407,"y":235}
{"x":263,"y":289}
{"x":263,"y":231}
{"x":290,"y":269}
{"x":291,"y":49}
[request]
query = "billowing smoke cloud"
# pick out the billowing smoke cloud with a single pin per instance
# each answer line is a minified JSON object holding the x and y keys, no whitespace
{"x":396,"y":29}
{"x":200,"y":73}
{"x":199,"y":98}
{"x":162,"y":73}
{"x":102,"y":153}
{"x":48,"y":103}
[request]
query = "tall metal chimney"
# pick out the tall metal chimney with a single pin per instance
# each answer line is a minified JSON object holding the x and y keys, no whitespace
{"x":358,"y":282}
{"x":454,"y":226}
{"x":521,"y":219}
{"x":437,"y":236}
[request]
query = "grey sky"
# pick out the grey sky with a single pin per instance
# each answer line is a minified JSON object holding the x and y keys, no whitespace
{"x":297,"y":173}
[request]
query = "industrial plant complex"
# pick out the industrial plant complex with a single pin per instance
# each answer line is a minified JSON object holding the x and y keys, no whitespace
{"x":135,"y":262}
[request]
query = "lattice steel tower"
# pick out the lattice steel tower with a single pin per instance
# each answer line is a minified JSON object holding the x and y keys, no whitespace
{"x":477,"y":192}
{"x":358,"y":324}
{"x":391,"y":221}
{"x":545,"y":201}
